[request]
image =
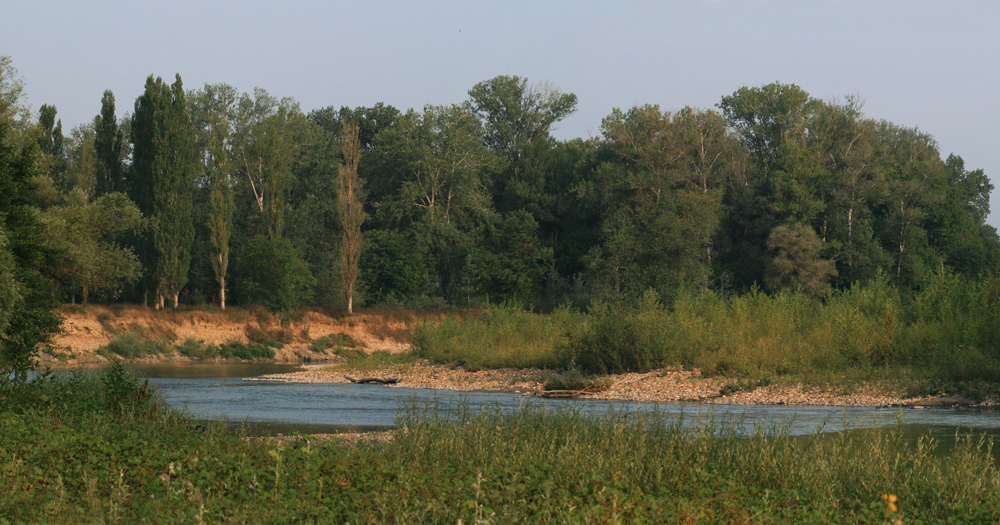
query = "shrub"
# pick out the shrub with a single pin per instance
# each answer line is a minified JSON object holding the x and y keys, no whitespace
{"x":504,"y":336}
{"x":133,"y":344}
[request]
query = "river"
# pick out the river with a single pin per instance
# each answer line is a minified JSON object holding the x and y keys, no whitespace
{"x":217,"y":392}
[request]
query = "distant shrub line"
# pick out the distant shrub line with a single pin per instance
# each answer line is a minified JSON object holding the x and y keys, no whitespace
{"x":948,"y":330}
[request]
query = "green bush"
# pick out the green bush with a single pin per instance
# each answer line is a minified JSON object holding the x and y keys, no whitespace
{"x":236,"y":350}
{"x":617,"y":340}
{"x":133,"y":344}
{"x":270,"y":272}
{"x":503,"y":336}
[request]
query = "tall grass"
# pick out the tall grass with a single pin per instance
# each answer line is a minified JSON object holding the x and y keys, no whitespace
{"x":84,"y":459}
{"x":503,"y":336}
{"x":646,"y":467}
{"x":948,"y":330}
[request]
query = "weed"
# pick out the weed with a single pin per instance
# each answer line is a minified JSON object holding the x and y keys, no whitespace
{"x":132,"y":344}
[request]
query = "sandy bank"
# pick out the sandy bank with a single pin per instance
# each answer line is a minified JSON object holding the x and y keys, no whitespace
{"x":664,"y":386}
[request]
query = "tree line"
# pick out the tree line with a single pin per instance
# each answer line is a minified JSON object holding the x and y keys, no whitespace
{"x":212,"y":195}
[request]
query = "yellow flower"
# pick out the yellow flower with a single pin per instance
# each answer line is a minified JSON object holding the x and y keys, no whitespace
{"x":892,"y":507}
{"x":892,"y":498}
{"x":898,"y":522}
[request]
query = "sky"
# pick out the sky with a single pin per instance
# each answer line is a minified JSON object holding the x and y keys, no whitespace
{"x":933,"y":65}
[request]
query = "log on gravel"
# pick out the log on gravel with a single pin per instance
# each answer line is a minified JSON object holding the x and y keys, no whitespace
{"x":384,"y":381}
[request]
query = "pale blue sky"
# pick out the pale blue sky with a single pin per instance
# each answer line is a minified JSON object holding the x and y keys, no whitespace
{"x":933,"y":65}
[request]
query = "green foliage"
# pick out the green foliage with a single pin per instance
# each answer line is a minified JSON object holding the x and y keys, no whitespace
{"x":164,"y":164}
{"x":619,"y":340}
{"x":236,"y":350}
{"x":269,"y":272}
{"x":85,"y":237}
{"x":336,"y":341}
{"x":505,"y":264}
{"x":393,"y":268}
{"x":133,"y":344}
{"x":27,"y":315}
{"x":502,"y":336}
{"x":796,"y":263}
{"x":231,"y":350}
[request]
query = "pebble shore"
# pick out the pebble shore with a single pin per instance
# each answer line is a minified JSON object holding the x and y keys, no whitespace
{"x":664,"y":386}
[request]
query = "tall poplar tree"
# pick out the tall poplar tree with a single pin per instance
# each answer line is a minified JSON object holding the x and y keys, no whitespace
{"x":350,"y":207}
{"x":164,"y":167}
{"x":211,"y":110}
{"x":109,"y":145}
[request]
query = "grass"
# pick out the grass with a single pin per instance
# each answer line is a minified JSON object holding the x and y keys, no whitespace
{"x":359,"y":360}
{"x":133,"y":344}
{"x":500,"y":337}
{"x":84,"y":448}
{"x":943,"y":338}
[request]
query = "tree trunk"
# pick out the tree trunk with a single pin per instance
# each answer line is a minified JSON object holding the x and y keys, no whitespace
{"x":222,"y":294}
{"x":177,"y":299}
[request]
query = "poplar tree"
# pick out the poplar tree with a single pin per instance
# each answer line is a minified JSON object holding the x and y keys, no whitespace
{"x":164,"y":167}
{"x":109,"y":145}
{"x":211,"y":109}
{"x":350,"y":208}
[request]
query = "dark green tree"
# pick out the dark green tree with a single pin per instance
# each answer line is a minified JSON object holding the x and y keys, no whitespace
{"x":515,"y":116}
{"x":109,"y":148}
{"x":162,"y":181}
{"x":660,"y":196}
{"x":27,"y":317}
{"x":796,"y":263}
{"x":271,"y":273}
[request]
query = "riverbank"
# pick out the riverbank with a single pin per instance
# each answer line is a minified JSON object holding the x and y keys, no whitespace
{"x":660,"y":386}
{"x":83,"y":448}
{"x":181,"y":336}
{"x":323,"y":338}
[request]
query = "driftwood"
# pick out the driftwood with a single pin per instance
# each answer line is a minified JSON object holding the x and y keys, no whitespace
{"x":569,"y":394}
{"x":384,"y":381}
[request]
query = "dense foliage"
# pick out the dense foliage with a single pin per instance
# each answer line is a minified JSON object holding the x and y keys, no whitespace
{"x":475,"y":203}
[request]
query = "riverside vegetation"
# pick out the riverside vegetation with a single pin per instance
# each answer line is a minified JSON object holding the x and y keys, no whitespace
{"x":944,"y":338}
{"x":83,"y":447}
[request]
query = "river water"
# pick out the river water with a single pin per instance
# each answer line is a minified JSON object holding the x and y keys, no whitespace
{"x":217,"y":392}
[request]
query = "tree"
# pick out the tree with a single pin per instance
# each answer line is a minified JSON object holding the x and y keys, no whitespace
{"x":211,"y":110}
{"x":659,"y":191}
{"x":915,"y":180}
{"x":164,"y":168}
{"x":84,"y":236}
{"x":350,"y":208}
{"x":505,"y":263}
{"x":515,"y":116}
{"x":269,"y":272}
{"x":27,"y":310}
{"x":769,"y":118}
{"x":265,"y":147}
{"x":109,"y":147}
{"x":796,"y":263}
{"x":957,"y":227}
{"x":11,"y":95}
{"x":440,"y":167}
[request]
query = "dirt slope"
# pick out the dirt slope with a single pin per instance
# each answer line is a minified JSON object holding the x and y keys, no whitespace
{"x":87,"y":328}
